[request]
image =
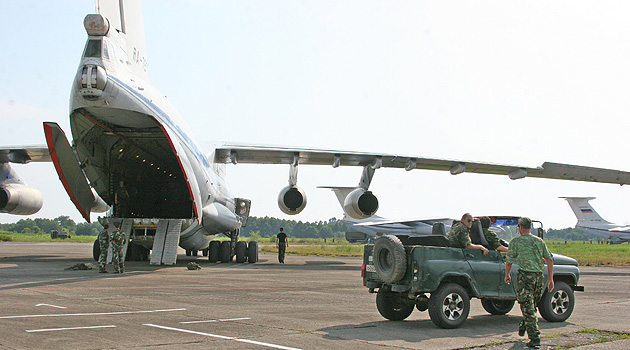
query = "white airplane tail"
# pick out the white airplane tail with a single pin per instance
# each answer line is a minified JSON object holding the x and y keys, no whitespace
{"x":125,"y":16}
{"x":340,"y":192}
{"x":584,"y":211}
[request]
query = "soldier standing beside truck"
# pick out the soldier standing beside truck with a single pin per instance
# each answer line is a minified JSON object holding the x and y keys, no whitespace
{"x":528,"y":251}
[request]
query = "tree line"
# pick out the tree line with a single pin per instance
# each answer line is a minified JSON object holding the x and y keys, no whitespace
{"x":267,"y":227}
{"x":263,"y":227}
{"x":46,"y":226}
{"x":257,"y":226}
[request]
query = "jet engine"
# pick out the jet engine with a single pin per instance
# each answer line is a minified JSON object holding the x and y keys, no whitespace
{"x":292,"y":200}
{"x":20,"y":200}
{"x":360,"y":204}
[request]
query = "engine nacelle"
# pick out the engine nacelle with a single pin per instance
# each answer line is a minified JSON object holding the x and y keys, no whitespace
{"x":360,"y":204}
{"x":217,"y":218}
{"x":20,"y":200}
{"x":292,"y":200}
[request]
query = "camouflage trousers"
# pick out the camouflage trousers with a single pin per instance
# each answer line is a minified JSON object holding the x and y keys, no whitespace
{"x":530,"y":290}
{"x":117,"y":258}
{"x":102,"y":258}
{"x":282,"y":248}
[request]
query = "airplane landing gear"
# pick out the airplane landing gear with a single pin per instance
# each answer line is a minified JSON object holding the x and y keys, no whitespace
{"x":225,"y":251}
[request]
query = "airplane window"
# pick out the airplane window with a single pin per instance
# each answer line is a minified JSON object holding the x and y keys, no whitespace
{"x":93,"y":48}
{"x":105,"y":52}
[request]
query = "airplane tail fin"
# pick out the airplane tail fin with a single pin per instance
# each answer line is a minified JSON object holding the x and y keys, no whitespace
{"x":125,"y":16}
{"x":583,"y":210}
{"x":340,"y":192}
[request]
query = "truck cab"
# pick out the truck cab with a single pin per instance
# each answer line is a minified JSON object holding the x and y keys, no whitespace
{"x":425,"y":272}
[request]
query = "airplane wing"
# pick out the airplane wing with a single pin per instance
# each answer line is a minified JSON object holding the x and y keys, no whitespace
{"x":409,"y":222}
{"x":24,"y":154}
{"x":281,"y":155}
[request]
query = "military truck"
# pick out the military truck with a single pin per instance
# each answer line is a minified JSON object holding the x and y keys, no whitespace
{"x":425,"y":273}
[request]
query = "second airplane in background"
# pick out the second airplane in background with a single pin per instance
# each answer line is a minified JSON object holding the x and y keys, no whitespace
{"x":591,"y":221}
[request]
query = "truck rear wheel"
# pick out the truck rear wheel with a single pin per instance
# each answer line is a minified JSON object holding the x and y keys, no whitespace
{"x":449,"y":306}
{"x":390,"y":260}
{"x":558,"y":305}
{"x":497,"y":306}
{"x":392,"y":305}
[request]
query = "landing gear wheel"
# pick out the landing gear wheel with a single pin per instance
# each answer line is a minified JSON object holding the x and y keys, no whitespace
{"x":204,"y":252}
{"x":449,"y":306}
{"x":390,"y":260}
{"x":497,"y":306}
{"x":188,"y":252}
{"x":392,"y":305}
{"x":241,"y":251}
{"x":252,"y":252}
{"x":96,"y":250}
{"x":213,"y":251}
{"x":558,"y":305}
{"x":225,"y":253}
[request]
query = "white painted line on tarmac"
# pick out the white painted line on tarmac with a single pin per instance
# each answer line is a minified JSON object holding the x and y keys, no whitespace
{"x":94,"y":313}
{"x":223,"y":337}
{"x":59,"y":307}
{"x":67,"y":329}
{"x":219,"y":320}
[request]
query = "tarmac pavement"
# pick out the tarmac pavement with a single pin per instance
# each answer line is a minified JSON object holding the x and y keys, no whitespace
{"x":307,"y":303}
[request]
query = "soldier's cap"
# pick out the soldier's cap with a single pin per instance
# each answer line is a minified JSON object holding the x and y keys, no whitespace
{"x":525,"y":222}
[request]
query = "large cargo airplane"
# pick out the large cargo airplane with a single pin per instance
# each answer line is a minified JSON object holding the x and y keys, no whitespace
{"x":134,"y":158}
{"x":591,"y":221}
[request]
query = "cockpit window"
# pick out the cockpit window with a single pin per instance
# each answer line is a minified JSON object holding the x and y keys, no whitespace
{"x":93,"y":48}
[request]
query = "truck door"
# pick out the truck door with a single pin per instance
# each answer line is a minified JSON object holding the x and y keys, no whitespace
{"x":488,"y":271}
{"x":507,"y":290}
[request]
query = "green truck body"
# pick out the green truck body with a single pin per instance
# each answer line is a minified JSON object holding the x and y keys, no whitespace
{"x":417,"y":271}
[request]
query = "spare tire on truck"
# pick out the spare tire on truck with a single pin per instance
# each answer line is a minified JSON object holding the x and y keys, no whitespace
{"x":390,"y":260}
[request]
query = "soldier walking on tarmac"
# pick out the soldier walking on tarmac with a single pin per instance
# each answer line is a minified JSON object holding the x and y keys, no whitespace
{"x":528,"y":251}
{"x":117,"y":239}
{"x":281,"y":243}
{"x":103,"y":244}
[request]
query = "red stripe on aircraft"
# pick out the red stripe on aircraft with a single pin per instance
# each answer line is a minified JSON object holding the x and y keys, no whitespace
{"x":192,"y":197}
{"x":55,"y":160}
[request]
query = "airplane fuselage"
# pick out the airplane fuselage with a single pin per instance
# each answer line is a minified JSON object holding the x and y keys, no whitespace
{"x":136,"y":150}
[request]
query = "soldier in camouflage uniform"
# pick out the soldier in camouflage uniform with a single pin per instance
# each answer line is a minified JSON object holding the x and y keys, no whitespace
{"x":103,"y":243}
{"x":117,"y":238}
{"x":491,"y":237}
{"x":459,"y":235}
{"x":528,"y":251}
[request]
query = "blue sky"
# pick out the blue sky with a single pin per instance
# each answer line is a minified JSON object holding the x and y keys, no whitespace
{"x":505,"y":82}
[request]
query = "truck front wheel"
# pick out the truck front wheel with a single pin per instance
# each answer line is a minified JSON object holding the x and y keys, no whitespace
{"x":392,"y":305}
{"x":449,"y":306}
{"x":557,"y":305}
